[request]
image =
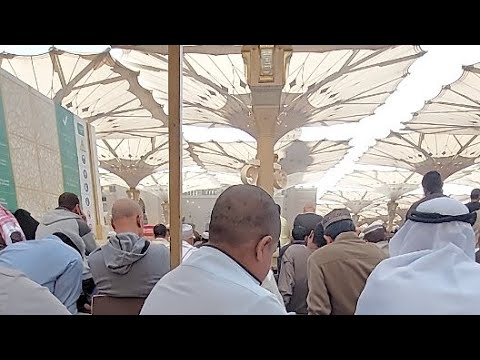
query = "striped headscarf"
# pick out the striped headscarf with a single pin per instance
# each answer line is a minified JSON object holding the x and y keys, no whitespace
{"x":10,"y":230}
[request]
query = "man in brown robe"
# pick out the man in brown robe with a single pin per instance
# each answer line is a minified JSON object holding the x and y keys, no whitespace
{"x":337,"y":272}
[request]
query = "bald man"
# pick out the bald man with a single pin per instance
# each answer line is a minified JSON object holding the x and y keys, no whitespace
{"x":224,"y":277}
{"x":128,"y":265}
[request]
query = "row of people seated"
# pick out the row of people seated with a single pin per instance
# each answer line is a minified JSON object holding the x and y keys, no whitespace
{"x":345,"y":274}
{"x":128,"y":265}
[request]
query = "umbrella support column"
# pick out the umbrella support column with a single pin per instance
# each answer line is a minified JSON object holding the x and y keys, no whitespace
{"x":266,"y":73}
{"x":133,"y":193}
{"x":265,"y":119}
{"x":392,"y":209}
{"x":175,"y":61}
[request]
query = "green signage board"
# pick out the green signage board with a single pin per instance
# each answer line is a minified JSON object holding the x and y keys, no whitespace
{"x":68,"y":150}
{"x":8,"y":196}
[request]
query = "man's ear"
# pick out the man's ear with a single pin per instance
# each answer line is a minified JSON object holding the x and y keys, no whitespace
{"x":310,"y":236}
{"x":263,"y":246}
{"x":328,"y":239}
{"x":139,"y":221}
{"x":112,"y":224}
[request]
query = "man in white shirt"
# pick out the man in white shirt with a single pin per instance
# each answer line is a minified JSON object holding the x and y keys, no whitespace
{"x":224,"y":277}
{"x":188,"y":238}
{"x":160,"y":233}
{"x":21,"y":296}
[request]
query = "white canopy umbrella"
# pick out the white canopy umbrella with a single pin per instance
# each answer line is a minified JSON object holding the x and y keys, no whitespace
{"x":300,"y":160}
{"x":455,"y":110}
{"x":96,"y":87}
{"x":414,"y":151}
{"x":325,"y":85}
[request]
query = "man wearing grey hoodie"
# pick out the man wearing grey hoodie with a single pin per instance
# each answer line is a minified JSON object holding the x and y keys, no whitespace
{"x":128,"y":265}
{"x":67,"y":217}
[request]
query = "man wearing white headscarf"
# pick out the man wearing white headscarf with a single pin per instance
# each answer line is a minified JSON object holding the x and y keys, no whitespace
{"x":432,"y":269}
{"x":188,"y":237}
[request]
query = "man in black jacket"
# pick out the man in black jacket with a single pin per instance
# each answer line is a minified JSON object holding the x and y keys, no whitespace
{"x":474,"y":203}
{"x":432,"y":185}
{"x":303,"y":226}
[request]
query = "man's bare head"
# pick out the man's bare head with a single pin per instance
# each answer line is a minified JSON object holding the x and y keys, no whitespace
{"x":127,"y":216}
{"x":246,"y":224}
{"x":309,"y":207}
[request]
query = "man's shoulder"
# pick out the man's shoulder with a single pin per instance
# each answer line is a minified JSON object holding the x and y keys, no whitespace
{"x":205,"y":283}
{"x":156,"y":248}
{"x":26,"y":297}
{"x":266,"y":304}
{"x":12,"y":280}
{"x":324,"y":254}
{"x":83,"y":227}
{"x":473,"y":206}
{"x":8,"y":274}
{"x":96,"y":254}
{"x":336,"y":251}
{"x":426,"y":198}
{"x":295,"y":249}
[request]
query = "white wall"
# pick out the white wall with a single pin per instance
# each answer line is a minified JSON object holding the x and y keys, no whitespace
{"x":295,"y":200}
{"x":153,"y":204}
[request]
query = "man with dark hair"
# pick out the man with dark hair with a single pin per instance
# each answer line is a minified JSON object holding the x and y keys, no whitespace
{"x":160,"y":233}
{"x":309,"y":219}
{"x":338,"y":271}
{"x":474,"y":203}
{"x":303,"y":226}
{"x":68,"y":216}
{"x":376,"y":233}
{"x":318,"y":236}
{"x":432,"y":183}
{"x":27,"y":222}
{"x":432,"y":188}
{"x":474,"y":206}
{"x":292,"y":282}
{"x":223,"y":277}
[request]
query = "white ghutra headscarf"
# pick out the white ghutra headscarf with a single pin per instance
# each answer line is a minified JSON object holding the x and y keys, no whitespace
{"x":432,"y":268}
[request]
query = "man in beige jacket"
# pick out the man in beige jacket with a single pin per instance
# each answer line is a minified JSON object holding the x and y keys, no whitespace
{"x":338,"y":271}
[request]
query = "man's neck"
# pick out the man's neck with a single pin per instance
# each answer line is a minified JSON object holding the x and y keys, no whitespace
{"x":127,"y":230}
{"x":238,"y":256}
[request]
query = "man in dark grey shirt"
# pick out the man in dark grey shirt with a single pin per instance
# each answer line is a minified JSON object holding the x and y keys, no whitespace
{"x":67,"y":217}
{"x":432,"y":188}
{"x":292,"y":281}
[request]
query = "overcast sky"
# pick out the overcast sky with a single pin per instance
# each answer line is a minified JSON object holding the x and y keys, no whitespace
{"x":441,"y":65}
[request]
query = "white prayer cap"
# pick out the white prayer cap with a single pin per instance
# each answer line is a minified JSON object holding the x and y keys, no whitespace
{"x":187,"y":231}
{"x":205,"y":235}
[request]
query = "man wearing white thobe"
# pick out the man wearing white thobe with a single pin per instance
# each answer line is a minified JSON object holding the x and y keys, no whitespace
{"x":224,"y":277}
